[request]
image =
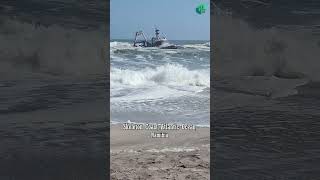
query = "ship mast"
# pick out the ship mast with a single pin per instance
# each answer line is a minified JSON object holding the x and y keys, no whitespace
{"x":157,"y":33}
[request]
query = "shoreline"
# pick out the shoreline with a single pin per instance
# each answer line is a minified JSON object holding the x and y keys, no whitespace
{"x":184,"y":154}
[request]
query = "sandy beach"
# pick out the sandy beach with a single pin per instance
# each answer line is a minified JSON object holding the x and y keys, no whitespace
{"x":184,"y":154}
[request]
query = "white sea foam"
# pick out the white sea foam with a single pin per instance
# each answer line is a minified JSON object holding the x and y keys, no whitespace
{"x":242,"y":50}
{"x":116,"y":45}
{"x":169,"y":74}
{"x":121,"y":45}
{"x":271,"y":87}
{"x":159,"y":85}
{"x":205,"y":46}
{"x":167,"y":81}
{"x":54,"y":50}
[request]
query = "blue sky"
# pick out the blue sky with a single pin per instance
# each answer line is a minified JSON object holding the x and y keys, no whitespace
{"x":176,"y":19}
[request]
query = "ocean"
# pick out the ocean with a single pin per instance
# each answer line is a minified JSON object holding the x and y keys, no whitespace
{"x":53,"y":86}
{"x":154,"y":85}
{"x":265,"y":94}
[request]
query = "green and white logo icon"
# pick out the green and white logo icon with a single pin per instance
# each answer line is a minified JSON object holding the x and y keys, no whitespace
{"x":201,"y":9}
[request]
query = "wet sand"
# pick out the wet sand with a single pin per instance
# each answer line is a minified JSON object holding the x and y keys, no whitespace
{"x":185,"y":154}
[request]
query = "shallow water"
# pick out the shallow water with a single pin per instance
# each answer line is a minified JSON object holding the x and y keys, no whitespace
{"x":266,"y":90}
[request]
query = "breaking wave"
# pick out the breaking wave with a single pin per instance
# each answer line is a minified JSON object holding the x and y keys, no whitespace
{"x":116,"y":45}
{"x":243,"y":50}
{"x":51,"y":50}
{"x":121,"y":45}
{"x":204,"y":46}
{"x":169,"y":74}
